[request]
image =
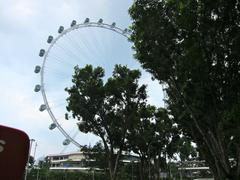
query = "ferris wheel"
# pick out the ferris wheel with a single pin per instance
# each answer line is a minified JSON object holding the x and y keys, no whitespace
{"x":96,"y":43}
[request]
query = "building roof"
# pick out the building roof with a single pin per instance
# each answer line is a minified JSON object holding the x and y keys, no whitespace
{"x":65,"y":154}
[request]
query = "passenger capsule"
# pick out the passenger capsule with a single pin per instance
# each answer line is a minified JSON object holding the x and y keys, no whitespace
{"x":125,"y":30}
{"x":37,"y":69}
{"x":66,"y":116}
{"x":100,"y":21}
{"x":42,"y":52}
{"x":60,"y":30}
{"x":73,"y":23}
{"x":42,"y":107}
{"x":86,"y":20}
{"x":49,"y":40}
{"x":66,"y":142}
{"x":113,"y":25}
{"x":52,"y":126}
{"x":37,"y":88}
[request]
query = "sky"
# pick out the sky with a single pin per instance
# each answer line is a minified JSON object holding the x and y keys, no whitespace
{"x":24,"y":28}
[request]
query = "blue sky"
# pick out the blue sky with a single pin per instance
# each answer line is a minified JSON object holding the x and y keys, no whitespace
{"x":24,"y":28}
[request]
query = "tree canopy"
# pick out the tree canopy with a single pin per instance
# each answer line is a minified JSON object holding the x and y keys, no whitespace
{"x":107,"y":109}
{"x":192,"y":47}
{"x":95,"y":156}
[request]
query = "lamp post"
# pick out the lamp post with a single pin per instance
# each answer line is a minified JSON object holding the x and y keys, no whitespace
{"x":34,"y":153}
{"x":29,"y":153}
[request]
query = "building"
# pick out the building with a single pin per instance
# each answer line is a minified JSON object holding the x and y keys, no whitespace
{"x":195,"y":169}
{"x":78,"y":161}
{"x":74,"y":161}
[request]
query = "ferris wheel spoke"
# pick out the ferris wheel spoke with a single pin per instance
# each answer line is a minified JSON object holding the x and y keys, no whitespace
{"x":100,"y":51}
{"x":61,"y":74}
{"x":87,"y":52}
{"x":57,"y":105}
{"x":60,"y":60}
{"x":79,"y":49}
{"x":68,"y":52}
{"x":88,"y":55}
{"x":92,"y":46}
{"x":77,"y":55}
{"x":73,"y":137}
{"x":57,"y":102}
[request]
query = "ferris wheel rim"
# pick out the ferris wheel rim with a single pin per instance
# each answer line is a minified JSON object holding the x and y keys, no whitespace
{"x":123,"y":32}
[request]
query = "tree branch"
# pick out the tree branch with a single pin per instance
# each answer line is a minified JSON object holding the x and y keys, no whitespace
{"x":196,"y":123}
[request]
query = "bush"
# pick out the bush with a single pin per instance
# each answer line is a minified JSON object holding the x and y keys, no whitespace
{"x":65,"y":175}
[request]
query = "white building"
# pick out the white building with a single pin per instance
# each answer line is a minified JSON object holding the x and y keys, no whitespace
{"x":78,"y":161}
{"x":74,"y":161}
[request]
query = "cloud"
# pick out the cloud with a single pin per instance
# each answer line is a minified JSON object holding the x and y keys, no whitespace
{"x":19,"y":109}
{"x":25,"y":26}
{"x":18,"y":101}
{"x":154,"y":90}
{"x":22,"y":10}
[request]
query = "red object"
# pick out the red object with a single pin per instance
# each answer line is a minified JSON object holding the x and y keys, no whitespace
{"x":14,"y":149}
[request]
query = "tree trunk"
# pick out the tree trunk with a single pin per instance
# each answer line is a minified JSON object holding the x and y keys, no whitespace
{"x":116,"y":161}
{"x":110,"y":168}
{"x":143,"y":166}
{"x":214,"y":146}
{"x":141,"y":170}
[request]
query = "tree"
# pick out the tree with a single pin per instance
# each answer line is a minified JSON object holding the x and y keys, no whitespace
{"x":108,"y":109}
{"x":31,"y":161}
{"x":186,"y":150}
{"x":140,"y":137}
{"x":44,"y":163}
{"x":155,"y":137}
{"x":95,"y":155}
{"x":192,"y":47}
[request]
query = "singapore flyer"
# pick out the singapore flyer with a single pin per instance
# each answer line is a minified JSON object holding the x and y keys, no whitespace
{"x":96,"y":43}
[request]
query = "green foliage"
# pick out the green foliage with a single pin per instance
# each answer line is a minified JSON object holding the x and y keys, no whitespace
{"x":186,"y":149}
{"x":154,"y":138}
{"x":65,"y":175}
{"x":193,"y":48}
{"x":108,"y":109}
{"x":104,"y":108}
{"x":118,"y":113}
{"x":31,"y":161}
{"x":44,"y":164}
{"x":128,"y":171}
{"x":95,"y":156}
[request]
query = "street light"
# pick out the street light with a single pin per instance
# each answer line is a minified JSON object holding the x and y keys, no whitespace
{"x":29,"y":153}
{"x":34,"y":153}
